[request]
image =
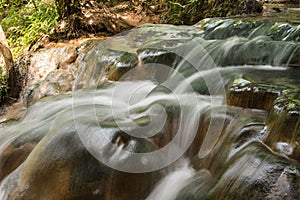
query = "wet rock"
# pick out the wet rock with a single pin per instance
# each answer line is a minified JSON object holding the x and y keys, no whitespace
{"x":284,"y":125}
{"x":20,"y":141}
{"x":237,"y":161}
{"x":263,"y":89}
{"x":247,"y":142}
{"x":111,"y":59}
{"x":49,"y":59}
{"x":104,"y":63}
{"x":101,"y":61}
{"x":255,"y":173}
{"x":55,"y":83}
{"x":12,"y":157}
{"x":245,"y":94}
{"x":218,"y":28}
{"x":250,"y":27}
{"x":278,"y":94}
{"x":60,"y":167}
{"x":50,"y":71}
{"x":257,"y":51}
{"x":284,"y":31}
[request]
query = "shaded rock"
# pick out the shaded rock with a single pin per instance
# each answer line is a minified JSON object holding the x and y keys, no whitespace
{"x":172,"y":46}
{"x":284,"y":125}
{"x":60,"y":167}
{"x":237,"y":162}
{"x":112,"y":58}
{"x":264,"y":89}
{"x":266,"y":176}
{"x":243,"y":93}
{"x":249,"y":145}
{"x":12,"y":157}
{"x":104,"y":62}
{"x":250,"y":27}
{"x":218,"y":28}
{"x":20,"y":141}
{"x":256,"y":51}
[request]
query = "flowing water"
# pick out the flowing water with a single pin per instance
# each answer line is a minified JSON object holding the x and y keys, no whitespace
{"x":165,"y":112}
{"x":174,"y":182}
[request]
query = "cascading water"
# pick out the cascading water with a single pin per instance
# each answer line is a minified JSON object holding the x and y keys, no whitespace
{"x":166,"y":112}
{"x":170,"y":185}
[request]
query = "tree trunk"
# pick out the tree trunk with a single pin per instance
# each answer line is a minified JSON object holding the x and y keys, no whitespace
{"x":9,"y":65}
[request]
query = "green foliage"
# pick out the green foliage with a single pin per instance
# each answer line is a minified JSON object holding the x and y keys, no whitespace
{"x":175,"y":11}
{"x":191,"y":11}
{"x":10,"y":3}
{"x":25,"y":24}
{"x":184,"y":11}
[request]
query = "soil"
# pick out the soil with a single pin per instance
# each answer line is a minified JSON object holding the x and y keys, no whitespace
{"x":104,"y":19}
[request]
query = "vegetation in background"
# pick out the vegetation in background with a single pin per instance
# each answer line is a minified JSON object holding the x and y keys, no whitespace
{"x":192,"y":11}
{"x":26,"y":22}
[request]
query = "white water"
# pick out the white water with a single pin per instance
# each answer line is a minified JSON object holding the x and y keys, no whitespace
{"x":3,"y":193}
{"x":169,"y":187}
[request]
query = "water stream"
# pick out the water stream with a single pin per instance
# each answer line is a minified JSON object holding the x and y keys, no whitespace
{"x":163,"y":112}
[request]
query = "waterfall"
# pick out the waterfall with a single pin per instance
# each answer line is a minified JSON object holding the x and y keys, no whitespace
{"x":169,"y":186}
{"x":163,"y":112}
